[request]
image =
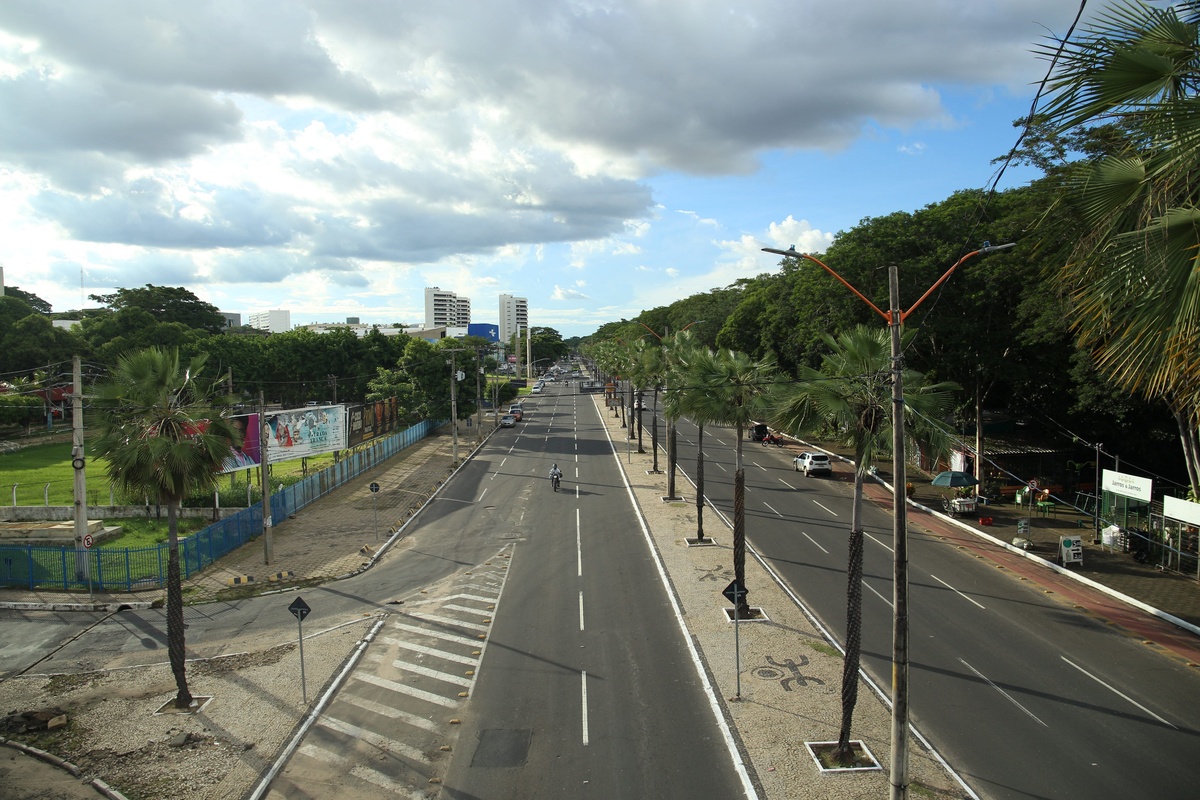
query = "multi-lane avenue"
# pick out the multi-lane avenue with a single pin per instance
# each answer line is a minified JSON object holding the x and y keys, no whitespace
{"x":1025,"y":697}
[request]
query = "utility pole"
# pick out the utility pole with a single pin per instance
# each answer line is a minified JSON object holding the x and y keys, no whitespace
{"x":478,"y":396}
{"x":1096,"y":519}
{"x":900,"y":561}
{"x":528,"y":352}
{"x":454,"y":400}
{"x":264,"y":477}
{"x":79,"y":463}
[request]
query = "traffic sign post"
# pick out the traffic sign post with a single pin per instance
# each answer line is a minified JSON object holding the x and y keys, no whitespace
{"x":736,"y":593}
{"x":300,"y":610}
{"x":375,"y":499}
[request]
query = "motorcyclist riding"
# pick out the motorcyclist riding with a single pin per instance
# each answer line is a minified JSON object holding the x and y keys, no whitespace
{"x":555,"y":476}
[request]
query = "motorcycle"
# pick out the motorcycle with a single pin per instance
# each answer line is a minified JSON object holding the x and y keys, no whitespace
{"x":555,"y":480}
{"x":771,"y":438}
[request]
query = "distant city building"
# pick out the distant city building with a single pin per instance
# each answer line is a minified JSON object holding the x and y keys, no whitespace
{"x":514,"y":316}
{"x":231,"y":320}
{"x":360,"y":330}
{"x":352,"y":321}
{"x":277,"y":321}
{"x":446,"y":309}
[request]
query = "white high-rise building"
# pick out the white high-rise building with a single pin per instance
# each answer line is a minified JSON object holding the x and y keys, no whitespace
{"x":445,"y":309}
{"x":514,"y":316}
{"x":277,"y":321}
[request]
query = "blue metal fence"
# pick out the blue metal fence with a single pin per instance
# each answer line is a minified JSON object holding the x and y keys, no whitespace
{"x":129,"y":569}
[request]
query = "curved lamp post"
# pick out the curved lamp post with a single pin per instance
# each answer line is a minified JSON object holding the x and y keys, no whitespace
{"x":895,"y":318}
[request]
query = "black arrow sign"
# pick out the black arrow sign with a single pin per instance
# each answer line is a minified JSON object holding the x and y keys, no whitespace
{"x":734,"y":592}
{"x":299,"y":608}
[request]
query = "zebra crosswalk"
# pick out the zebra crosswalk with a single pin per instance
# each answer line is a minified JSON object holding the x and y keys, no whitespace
{"x":391,"y":727}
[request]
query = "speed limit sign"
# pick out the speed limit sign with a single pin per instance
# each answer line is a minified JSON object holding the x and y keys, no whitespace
{"x":87,"y":541}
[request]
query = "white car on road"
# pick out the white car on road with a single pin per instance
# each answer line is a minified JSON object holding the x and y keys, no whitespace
{"x":813,"y":464}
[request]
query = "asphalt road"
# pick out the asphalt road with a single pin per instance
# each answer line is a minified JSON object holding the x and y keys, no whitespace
{"x":1025,"y":697}
{"x":587,"y":688}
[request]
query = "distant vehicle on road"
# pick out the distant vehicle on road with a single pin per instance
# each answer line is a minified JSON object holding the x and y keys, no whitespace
{"x":516,"y":411}
{"x":758,"y":431}
{"x":813,"y":464}
{"x":537,"y":388}
{"x":508,"y":421}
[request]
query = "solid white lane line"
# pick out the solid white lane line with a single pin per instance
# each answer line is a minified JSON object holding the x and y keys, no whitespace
{"x":1117,"y":692}
{"x":768,"y":505}
{"x":583,"y":675}
{"x":581,"y":609}
{"x":874,"y":591}
{"x":1010,"y":698}
{"x":956,"y":591}
{"x":814,"y":541}
{"x":830,"y":510}
{"x":578,"y":547}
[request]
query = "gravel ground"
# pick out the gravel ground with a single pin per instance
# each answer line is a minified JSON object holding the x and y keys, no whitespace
{"x":216,"y":752}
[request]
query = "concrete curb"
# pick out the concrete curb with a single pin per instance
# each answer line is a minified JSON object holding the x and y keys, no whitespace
{"x":137,"y":605}
{"x":97,"y":784}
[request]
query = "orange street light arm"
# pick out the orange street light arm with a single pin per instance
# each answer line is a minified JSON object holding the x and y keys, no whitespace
{"x":793,"y":254}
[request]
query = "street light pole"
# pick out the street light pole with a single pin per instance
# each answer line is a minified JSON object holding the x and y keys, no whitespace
{"x":895,"y":318}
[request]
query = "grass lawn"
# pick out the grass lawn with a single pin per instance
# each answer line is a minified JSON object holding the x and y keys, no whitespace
{"x":32,"y":469}
{"x":142,"y":532}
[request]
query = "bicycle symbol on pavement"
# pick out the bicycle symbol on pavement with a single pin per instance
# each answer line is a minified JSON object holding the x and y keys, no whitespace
{"x":778,"y":671}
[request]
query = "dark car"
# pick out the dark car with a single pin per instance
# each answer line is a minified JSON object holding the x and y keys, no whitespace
{"x":758,"y":432}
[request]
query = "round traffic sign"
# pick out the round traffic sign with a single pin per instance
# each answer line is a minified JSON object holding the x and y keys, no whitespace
{"x":1033,"y":484}
{"x":374,"y":488}
{"x":87,"y":541}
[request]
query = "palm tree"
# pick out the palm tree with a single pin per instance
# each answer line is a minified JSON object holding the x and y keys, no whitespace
{"x":1132,"y":282}
{"x":850,"y":399}
{"x":739,"y":390}
{"x":689,"y":398}
{"x":162,"y":434}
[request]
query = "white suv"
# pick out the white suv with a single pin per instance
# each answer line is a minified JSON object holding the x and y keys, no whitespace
{"x":813,"y":464}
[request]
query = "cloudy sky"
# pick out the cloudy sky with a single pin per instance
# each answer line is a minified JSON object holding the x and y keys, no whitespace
{"x":599,"y":157}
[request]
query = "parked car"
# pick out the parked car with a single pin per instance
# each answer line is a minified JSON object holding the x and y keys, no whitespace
{"x":508,"y":421}
{"x":813,"y":464}
{"x":517,"y":412}
{"x":758,"y":431}
{"x":537,"y":388}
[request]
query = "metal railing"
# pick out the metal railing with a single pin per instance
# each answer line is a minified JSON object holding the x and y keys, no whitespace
{"x":122,"y":569}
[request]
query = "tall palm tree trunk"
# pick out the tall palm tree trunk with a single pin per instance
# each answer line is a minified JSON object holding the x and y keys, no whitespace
{"x":854,"y":572}
{"x":739,"y":525}
{"x":699,"y":482}
{"x":671,"y":461}
{"x":175,"y":635}
{"x":654,"y":433}
{"x":639,"y":424}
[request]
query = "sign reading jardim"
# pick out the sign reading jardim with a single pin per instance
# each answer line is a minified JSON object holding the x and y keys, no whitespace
{"x":1070,"y":550}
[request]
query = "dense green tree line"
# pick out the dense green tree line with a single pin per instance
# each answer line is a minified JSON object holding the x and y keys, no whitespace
{"x":287,"y":368}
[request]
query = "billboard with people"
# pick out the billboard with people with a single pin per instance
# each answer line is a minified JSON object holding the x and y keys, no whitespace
{"x":308,"y":431}
{"x":248,"y":453}
{"x":370,"y":421}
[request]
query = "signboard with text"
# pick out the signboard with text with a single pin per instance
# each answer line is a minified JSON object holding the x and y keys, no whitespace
{"x":370,"y":421}
{"x":308,"y":431}
{"x":1127,"y":485}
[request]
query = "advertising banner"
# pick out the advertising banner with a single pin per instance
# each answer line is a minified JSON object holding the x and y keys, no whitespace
{"x":300,"y":432}
{"x":249,"y":453}
{"x":1127,"y":485}
{"x":484,"y":330}
{"x":370,"y":421}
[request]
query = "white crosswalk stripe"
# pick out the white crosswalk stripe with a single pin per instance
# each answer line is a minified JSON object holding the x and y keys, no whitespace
{"x":389,"y":725}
